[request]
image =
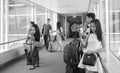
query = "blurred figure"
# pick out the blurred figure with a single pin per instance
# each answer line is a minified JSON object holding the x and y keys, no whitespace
{"x":34,"y":35}
{"x":59,"y":36}
{"x":46,"y":33}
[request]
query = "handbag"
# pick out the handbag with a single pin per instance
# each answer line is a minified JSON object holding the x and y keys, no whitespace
{"x":89,"y":59}
{"x":38,"y":44}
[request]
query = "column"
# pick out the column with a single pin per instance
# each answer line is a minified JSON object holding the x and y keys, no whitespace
{"x":46,"y":15}
{"x":111,"y":16}
{"x":34,"y":14}
{"x":107,"y":31}
{"x":98,"y":10}
{"x":1,"y":25}
{"x":65,"y":26}
{"x":6,"y":23}
{"x":54,"y":21}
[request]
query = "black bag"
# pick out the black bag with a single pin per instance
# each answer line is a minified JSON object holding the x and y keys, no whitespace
{"x":71,"y":53}
{"x":89,"y":59}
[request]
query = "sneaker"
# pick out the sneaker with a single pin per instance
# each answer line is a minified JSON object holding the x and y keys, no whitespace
{"x":33,"y":68}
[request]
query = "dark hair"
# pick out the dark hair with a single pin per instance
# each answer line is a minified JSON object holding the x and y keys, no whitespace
{"x":32,"y":22}
{"x":37,"y":31}
{"x":48,"y":19}
{"x":98,"y":29}
{"x":92,"y":15}
{"x":58,"y":25}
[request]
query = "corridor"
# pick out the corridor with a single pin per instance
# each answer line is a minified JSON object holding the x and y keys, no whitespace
{"x":50,"y":62}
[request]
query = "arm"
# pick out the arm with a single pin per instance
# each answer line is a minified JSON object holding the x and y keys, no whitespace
{"x":50,"y":29}
{"x":84,"y":40}
{"x":103,"y":45}
{"x":100,"y":49}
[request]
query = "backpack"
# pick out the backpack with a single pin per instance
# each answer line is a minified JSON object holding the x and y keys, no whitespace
{"x":71,"y":53}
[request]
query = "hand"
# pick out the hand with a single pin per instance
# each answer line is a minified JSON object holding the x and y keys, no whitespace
{"x":83,"y":35}
{"x":89,"y":52}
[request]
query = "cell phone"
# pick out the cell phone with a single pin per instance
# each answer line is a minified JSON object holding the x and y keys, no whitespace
{"x":81,"y":30}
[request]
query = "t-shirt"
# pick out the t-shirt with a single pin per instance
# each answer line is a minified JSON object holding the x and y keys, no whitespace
{"x":46,"y":29}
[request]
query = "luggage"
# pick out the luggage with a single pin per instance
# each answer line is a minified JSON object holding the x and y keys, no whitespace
{"x":50,"y":47}
{"x":28,"y":50}
{"x":28,"y":57}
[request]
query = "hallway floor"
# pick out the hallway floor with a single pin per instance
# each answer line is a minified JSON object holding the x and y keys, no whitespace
{"x":50,"y":62}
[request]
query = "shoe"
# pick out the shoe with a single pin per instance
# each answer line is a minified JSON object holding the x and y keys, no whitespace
{"x":38,"y":66}
{"x":29,"y":63}
{"x":33,"y":68}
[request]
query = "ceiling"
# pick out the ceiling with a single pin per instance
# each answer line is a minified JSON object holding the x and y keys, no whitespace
{"x":66,"y":6}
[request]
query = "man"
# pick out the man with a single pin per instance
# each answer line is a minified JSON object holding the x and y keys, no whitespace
{"x":46,"y":33}
{"x":89,"y":18}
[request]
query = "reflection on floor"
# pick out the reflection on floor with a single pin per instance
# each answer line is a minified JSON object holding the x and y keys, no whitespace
{"x":113,"y":65}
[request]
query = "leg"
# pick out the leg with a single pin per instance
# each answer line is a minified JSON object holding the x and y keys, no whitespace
{"x":33,"y":59}
{"x":45,"y":40}
{"x":37,"y":57}
{"x":60,"y":43}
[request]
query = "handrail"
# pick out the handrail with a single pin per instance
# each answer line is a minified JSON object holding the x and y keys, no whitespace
{"x":103,"y":65}
{"x":12,"y":41}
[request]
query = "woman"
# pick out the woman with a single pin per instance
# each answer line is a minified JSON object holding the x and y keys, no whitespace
{"x":35,"y":52}
{"x":94,"y":43}
{"x":58,"y":36}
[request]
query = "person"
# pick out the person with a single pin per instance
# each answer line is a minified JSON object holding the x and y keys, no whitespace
{"x":89,"y":18}
{"x":46,"y":33}
{"x":37,"y":33}
{"x":59,"y":36}
{"x":28,"y":45}
{"x":35,"y":52}
{"x":93,"y":42}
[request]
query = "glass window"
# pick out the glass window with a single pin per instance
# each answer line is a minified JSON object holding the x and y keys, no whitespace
{"x":40,"y":17}
{"x":40,"y":21}
{"x":20,"y":13}
{"x":114,"y":18}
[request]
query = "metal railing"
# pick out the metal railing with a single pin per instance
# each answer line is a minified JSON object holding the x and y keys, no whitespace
{"x":12,"y":41}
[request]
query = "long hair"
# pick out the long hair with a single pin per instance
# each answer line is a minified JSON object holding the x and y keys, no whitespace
{"x":37,"y":31}
{"x":98,"y":29}
{"x":58,"y":25}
